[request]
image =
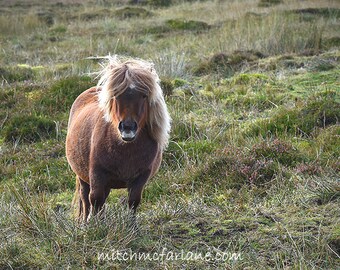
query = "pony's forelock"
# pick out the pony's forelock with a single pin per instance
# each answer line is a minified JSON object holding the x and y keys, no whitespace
{"x":118,"y":75}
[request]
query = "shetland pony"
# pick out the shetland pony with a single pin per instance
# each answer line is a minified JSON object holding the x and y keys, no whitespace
{"x":117,"y":133}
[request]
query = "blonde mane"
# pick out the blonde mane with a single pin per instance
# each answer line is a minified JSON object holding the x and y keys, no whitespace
{"x":140,"y":75}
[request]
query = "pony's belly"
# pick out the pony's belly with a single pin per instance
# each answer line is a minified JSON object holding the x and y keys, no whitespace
{"x":116,"y":184}
{"x":123,"y":171}
{"x":78,"y":161}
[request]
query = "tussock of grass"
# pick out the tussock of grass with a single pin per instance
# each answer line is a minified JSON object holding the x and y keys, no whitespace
{"x":15,"y":74}
{"x":130,"y":12}
{"x":28,"y":128}
{"x":309,"y":13}
{"x":187,"y":25}
{"x":227,"y":65}
{"x":63,"y":93}
{"x":258,"y":165}
{"x":269,"y":3}
{"x":53,"y":235}
{"x":324,"y":191}
{"x":319,"y":112}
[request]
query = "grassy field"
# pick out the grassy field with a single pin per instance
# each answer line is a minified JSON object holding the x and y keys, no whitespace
{"x":250,"y":179}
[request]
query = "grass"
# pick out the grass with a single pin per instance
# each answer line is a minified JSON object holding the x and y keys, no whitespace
{"x":252,"y":167}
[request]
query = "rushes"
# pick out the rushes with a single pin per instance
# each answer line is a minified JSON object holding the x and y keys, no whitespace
{"x":171,"y":64}
{"x":324,"y":190}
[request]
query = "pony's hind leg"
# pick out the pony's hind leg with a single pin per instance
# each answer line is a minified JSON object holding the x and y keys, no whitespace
{"x":84,"y":203}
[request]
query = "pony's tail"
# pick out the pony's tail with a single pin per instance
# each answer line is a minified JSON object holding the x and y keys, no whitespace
{"x":76,"y":197}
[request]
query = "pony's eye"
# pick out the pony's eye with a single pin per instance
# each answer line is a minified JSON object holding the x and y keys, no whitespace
{"x":145,"y":96}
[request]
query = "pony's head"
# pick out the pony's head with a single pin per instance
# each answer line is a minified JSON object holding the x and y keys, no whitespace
{"x":131,"y":99}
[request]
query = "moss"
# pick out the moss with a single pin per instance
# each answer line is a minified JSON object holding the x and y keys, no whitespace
{"x":249,"y":91}
{"x":28,"y":128}
{"x":167,"y":86}
{"x":179,"y":82}
{"x":132,"y":12}
{"x":251,"y":79}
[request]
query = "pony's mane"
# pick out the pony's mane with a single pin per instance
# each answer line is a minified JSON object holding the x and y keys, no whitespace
{"x":118,"y":75}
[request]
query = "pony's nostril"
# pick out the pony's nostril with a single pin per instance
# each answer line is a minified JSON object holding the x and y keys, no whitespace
{"x":121,"y":126}
{"x":134,"y":126}
{"x":128,"y":125}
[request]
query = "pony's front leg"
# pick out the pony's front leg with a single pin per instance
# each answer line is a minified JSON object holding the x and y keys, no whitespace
{"x":135,"y":189}
{"x":97,"y":197}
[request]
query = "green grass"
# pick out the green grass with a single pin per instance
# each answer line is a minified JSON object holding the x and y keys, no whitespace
{"x":252,"y":167}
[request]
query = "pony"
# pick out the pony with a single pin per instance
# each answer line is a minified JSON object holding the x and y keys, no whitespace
{"x":117,"y":132}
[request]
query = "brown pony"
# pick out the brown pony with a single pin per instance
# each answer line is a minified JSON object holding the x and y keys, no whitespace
{"x":117,"y":132}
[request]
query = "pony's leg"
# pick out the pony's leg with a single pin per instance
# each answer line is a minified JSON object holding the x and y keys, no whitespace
{"x":135,"y":189}
{"x":97,"y":198}
{"x":78,"y":197}
{"x":80,"y":208}
{"x":84,"y":202}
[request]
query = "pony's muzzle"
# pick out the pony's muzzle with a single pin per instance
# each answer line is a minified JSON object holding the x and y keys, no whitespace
{"x":128,"y":130}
